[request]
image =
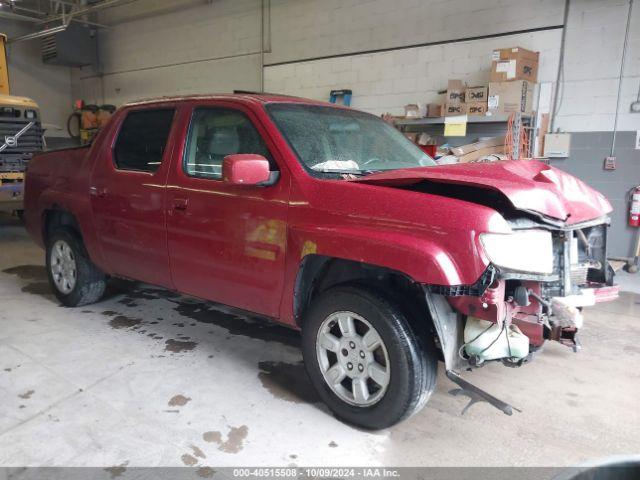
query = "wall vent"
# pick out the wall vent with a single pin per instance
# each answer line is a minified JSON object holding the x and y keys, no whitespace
{"x":73,"y":47}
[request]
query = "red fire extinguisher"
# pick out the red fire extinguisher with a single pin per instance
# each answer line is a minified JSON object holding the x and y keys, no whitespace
{"x":634,"y":207}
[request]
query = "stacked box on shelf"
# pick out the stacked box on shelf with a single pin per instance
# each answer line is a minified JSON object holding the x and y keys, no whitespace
{"x":454,"y":103}
{"x":514,"y":72}
{"x":476,"y":100}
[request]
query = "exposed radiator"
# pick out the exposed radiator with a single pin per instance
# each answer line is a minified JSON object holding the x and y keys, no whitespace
{"x":579,"y":273}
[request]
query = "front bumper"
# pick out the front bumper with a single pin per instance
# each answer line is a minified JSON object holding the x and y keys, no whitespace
{"x":545,"y":307}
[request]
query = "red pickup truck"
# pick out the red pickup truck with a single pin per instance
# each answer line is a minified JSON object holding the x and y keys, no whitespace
{"x":328,"y":220}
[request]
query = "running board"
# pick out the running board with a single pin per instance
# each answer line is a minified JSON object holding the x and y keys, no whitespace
{"x":499,"y":404}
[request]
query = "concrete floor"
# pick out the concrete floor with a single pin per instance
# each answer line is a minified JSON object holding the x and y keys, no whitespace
{"x":149,"y":378}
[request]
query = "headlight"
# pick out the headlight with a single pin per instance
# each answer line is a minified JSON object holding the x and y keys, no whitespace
{"x":30,"y":114}
{"x":525,"y":251}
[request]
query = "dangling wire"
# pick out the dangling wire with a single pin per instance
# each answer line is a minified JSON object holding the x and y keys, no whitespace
{"x":504,"y":324}
{"x":471,"y":341}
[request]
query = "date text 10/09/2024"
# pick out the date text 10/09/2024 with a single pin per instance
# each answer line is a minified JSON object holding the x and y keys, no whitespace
{"x":321,"y":472}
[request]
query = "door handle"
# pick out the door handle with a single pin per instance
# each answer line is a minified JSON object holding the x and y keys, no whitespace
{"x":180,"y":203}
{"x":98,"y":191}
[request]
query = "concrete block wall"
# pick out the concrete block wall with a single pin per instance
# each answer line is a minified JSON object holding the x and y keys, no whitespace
{"x":167,"y":48}
{"x":595,"y":36}
{"x":311,"y":28}
{"x":594,"y":40}
{"x":588,"y":150}
{"x":385,"y":82}
{"x":161,"y":47}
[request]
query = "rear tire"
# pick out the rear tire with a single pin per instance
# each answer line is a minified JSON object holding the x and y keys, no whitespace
{"x":74,"y":279}
{"x":398,"y":369}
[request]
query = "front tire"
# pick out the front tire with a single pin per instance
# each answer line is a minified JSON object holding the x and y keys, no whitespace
{"x":364,"y":359}
{"x":74,"y":279}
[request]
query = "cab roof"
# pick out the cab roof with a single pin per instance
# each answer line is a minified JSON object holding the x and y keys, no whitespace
{"x":248,"y":97}
{"x":15,"y":101}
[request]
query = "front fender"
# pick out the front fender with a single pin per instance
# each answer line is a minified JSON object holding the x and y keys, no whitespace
{"x":442,"y":261}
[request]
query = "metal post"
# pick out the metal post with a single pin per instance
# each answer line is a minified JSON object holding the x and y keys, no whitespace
{"x":622,"y":62}
{"x":517,"y":136}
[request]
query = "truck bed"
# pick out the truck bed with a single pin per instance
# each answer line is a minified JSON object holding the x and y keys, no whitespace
{"x":59,"y":174}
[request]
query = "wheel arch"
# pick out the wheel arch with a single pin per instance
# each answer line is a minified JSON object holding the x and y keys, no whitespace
{"x":56,"y":217}
{"x":317,"y":273}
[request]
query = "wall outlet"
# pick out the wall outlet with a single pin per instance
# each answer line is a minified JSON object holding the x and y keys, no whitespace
{"x":637,"y":139}
{"x":610,"y":163}
{"x":635,"y":107}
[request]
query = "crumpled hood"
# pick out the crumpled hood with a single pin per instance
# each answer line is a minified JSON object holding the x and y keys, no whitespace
{"x":529,"y":185}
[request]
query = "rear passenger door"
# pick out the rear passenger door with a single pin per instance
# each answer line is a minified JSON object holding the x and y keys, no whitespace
{"x":127,"y":190}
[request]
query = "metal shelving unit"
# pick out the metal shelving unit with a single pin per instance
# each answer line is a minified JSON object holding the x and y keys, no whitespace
{"x":477,"y":126}
{"x":471,"y":119}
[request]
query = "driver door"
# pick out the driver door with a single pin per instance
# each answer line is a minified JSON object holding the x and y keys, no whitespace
{"x":226,"y":242}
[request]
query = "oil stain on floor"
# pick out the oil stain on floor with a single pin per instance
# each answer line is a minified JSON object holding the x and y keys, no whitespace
{"x":118,"y":471}
{"x":122,"y":321}
{"x":37,"y":277}
{"x":197,"y":452}
{"x":179,"y":401}
{"x":242,"y":323}
{"x":189,"y":460}
{"x":205,"y":472}
{"x":178,"y":346}
{"x":235,"y":439}
{"x":38,"y":288}
{"x":28,"y":272}
{"x":288,"y":381}
{"x":26,"y":395}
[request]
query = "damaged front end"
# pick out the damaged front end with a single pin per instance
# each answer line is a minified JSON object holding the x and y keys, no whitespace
{"x":508,"y":314}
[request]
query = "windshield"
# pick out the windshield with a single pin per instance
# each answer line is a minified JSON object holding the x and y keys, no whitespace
{"x":331,"y":140}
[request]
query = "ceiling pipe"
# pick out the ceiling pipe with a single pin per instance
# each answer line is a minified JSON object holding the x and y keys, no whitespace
{"x":18,"y":17}
{"x":83,"y":11}
{"x":16,"y":7}
{"x":40,"y":34}
{"x":66,"y":18}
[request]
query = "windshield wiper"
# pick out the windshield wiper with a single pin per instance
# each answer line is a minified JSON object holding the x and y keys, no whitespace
{"x":344,"y":172}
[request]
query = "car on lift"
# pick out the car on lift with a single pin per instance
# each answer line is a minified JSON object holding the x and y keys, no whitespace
{"x":328,"y":220}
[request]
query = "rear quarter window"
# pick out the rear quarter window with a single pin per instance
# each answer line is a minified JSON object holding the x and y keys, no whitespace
{"x":142,"y":140}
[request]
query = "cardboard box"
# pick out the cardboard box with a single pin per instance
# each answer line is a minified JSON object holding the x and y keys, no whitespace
{"x":476,"y":108}
{"x":455,"y":91}
{"x":455,"y":108}
{"x":483,"y":152}
{"x":480,"y":144}
{"x":412,"y":110}
{"x":508,"y":97}
{"x":509,"y":64}
{"x":476,"y":94}
{"x":435,"y":110}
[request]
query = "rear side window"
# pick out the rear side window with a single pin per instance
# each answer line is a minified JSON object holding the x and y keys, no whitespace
{"x":142,"y":140}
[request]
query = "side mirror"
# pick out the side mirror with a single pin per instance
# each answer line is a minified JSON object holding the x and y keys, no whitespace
{"x":245,"y":169}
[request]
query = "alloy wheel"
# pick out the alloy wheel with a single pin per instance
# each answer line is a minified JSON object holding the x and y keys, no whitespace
{"x":353,"y":359}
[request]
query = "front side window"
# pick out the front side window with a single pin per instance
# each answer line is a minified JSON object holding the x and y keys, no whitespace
{"x":215,"y":133}
{"x":329,"y":140}
{"x":142,"y":140}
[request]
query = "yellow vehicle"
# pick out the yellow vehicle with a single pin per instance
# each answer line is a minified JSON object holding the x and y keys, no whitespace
{"x":20,"y":138}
